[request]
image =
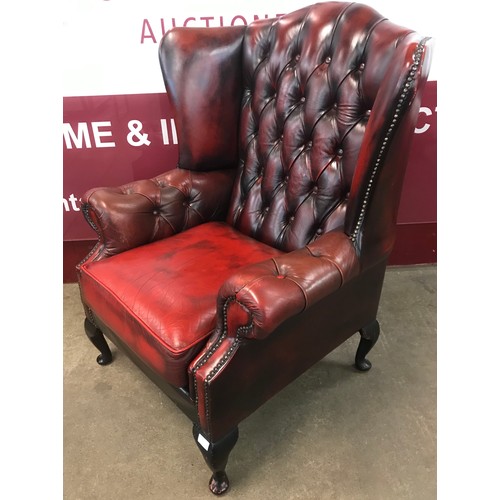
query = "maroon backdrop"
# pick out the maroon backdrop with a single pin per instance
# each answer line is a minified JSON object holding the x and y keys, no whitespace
{"x":112,"y":140}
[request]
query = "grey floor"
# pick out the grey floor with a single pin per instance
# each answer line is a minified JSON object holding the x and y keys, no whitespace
{"x":333,"y":434}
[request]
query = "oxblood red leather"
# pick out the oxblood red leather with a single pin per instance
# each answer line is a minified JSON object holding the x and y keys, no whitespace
{"x":166,"y":320}
{"x":294,"y":136}
{"x":144,"y":211}
{"x":204,"y":86}
{"x":274,"y":290}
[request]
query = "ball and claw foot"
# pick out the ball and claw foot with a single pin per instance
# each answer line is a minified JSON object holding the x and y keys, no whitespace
{"x":219,"y":483}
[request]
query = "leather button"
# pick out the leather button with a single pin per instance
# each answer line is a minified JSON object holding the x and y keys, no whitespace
{"x":328,"y":60}
{"x":292,"y":218}
{"x":340,"y":152}
{"x":297,"y":57}
{"x":361,"y":66}
{"x":315,"y":189}
{"x":155,"y":212}
{"x":286,"y":179}
{"x":319,"y":231}
{"x":309,"y":144}
{"x":280,"y":277}
{"x":302,"y":99}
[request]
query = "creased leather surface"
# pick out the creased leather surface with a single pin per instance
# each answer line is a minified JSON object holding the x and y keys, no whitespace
{"x":148,"y":210}
{"x":161,"y":297}
{"x":274,"y":290}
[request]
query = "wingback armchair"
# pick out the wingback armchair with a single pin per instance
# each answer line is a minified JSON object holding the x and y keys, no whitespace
{"x":265,"y":249}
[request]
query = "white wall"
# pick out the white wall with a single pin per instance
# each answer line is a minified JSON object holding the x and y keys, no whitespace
{"x":108,"y":48}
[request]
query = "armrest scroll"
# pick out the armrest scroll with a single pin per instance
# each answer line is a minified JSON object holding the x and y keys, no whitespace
{"x":256,"y":300}
{"x":144,"y":211}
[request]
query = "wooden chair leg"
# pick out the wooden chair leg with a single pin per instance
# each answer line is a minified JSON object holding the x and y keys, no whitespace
{"x":97,"y":338}
{"x":369,"y":337}
{"x":216,"y":455}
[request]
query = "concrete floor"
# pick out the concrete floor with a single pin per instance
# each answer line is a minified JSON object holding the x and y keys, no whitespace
{"x":334,"y":433}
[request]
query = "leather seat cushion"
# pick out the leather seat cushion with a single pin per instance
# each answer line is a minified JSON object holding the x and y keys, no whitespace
{"x":161,"y":297}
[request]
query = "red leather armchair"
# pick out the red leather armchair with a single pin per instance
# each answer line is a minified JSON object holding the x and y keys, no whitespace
{"x":229,"y":276}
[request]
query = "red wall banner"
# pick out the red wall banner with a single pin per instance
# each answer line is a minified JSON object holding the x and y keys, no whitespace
{"x":109,"y":141}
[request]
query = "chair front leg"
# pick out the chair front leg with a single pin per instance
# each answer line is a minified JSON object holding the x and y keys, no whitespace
{"x":216,"y":455}
{"x":97,"y":338}
{"x":369,"y":337}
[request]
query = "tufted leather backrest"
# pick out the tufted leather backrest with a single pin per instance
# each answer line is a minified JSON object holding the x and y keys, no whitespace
{"x":314,"y":112}
{"x":310,"y":81}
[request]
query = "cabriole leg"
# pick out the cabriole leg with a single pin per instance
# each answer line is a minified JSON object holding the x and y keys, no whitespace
{"x":97,"y":338}
{"x":216,"y":455}
{"x":369,"y":337}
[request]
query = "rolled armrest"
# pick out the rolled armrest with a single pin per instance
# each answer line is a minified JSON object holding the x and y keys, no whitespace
{"x":256,"y":300}
{"x":144,"y":211}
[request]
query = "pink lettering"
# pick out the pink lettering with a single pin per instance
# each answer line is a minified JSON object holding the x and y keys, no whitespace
{"x":147,"y":26}
{"x":235,"y":18}
{"x":147,"y":32}
{"x":163,"y":31}
{"x":207,"y":20}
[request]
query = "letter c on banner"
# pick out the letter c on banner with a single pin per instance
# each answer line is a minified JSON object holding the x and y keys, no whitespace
{"x":426,"y":126}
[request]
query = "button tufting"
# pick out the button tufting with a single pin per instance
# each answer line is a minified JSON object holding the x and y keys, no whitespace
{"x":340,"y":152}
{"x":309,"y":144}
{"x":319,"y":231}
{"x":286,"y":179}
{"x":361,"y":66}
{"x":302,"y":99}
{"x":155,"y":212}
{"x":315,"y":189}
{"x":328,"y":60}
